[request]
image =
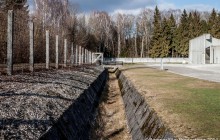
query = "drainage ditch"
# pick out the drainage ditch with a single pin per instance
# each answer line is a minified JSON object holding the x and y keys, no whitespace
{"x":124,"y":114}
{"x":110,"y":120}
{"x":142,"y":119}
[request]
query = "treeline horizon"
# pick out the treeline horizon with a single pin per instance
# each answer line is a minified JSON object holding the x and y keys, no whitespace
{"x":152,"y":33}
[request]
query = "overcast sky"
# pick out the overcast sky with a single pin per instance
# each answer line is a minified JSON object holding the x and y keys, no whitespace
{"x":134,"y":6}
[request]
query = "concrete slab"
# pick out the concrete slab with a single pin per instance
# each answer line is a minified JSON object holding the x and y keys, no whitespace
{"x":209,"y":72}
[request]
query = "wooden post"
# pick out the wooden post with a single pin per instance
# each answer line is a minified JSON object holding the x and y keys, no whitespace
{"x":31,"y":57}
{"x":76,"y":57}
{"x":57,"y":51}
{"x":65,"y":51}
{"x":47,"y":49}
{"x":10,"y":43}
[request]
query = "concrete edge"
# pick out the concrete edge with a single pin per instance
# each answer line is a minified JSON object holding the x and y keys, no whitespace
{"x":143,"y":120}
{"x":76,"y":121}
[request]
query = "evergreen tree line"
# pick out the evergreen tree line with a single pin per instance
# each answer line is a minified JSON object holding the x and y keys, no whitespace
{"x":151,"y":33}
{"x":170,"y":39}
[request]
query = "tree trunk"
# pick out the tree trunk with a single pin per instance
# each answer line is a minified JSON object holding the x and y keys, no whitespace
{"x":119,"y":45}
{"x":142,"y":47}
{"x":147,"y":47}
{"x":135,"y":46}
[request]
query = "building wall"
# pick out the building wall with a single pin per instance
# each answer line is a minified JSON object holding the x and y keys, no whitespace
{"x":215,"y":55}
{"x":197,"y":49}
{"x":215,"y":51}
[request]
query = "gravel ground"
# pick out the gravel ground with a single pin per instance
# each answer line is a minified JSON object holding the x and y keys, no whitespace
{"x":31,"y":104}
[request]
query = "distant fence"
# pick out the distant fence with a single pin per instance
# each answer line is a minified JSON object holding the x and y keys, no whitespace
{"x":149,"y":60}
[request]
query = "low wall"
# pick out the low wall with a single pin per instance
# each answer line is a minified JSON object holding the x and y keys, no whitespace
{"x":75,"y":121}
{"x":142,"y":119}
{"x":149,"y":60}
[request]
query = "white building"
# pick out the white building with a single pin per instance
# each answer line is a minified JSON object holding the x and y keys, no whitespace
{"x":204,"y":49}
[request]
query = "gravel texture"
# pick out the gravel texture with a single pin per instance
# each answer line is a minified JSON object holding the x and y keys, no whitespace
{"x":31,"y":103}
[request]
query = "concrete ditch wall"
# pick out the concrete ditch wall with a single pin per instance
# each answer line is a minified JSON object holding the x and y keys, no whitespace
{"x":75,"y":121}
{"x":142,"y":119}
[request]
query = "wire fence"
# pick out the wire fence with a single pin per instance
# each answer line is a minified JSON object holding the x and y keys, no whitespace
{"x":3,"y":37}
{"x":32,"y":46}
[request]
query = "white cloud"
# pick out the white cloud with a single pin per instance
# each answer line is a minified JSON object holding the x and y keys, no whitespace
{"x":162,"y":5}
{"x":166,"y":6}
{"x":131,"y":11}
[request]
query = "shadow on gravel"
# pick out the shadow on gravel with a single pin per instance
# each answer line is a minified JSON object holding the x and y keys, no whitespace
{"x":11,"y":93}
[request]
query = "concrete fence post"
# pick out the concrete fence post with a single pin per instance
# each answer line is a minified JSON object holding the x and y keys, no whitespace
{"x":31,"y":57}
{"x":92,"y":57}
{"x":47,"y":49}
{"x":161,"y":64}
{"x":72,"y":56}
{"x":89,"y":60}
{"x":87,"y":56}
{"x":10,"y":43}
{"x":83,"y":55}
{"x":65,"y":52}
{"x":76,"y":55}
{"x":80,"y":55}
{"x":57,"y":51}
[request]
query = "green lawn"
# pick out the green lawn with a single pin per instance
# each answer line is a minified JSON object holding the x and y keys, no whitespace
{"x":195,"y":102}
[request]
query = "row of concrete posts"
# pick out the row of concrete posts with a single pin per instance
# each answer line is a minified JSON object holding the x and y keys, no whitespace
{"x":81,"y":55}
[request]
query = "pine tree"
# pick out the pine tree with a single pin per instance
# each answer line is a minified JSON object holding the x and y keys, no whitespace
{"x":195,"y":27}
{"x":212,"y":23}
{"x":183,"y":36}
{"x":191,"y":28}
{"x":165,"y":39}
{"x":217,"y":35}
{"x":172,"y":26}
{"x":204,"y":27}
{"x":155,"y":44}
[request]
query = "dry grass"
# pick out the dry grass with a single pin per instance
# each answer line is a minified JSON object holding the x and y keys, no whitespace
{"x":190,"y":107}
